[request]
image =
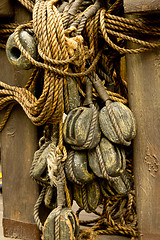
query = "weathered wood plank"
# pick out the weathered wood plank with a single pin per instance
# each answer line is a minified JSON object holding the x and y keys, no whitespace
{"x":19,"y":142}
{"x":6,"y":9}
{"x":111,"y":237}
{"x":20,"y":230}
{"x":143,"y":71}
{"x":141,"y":6}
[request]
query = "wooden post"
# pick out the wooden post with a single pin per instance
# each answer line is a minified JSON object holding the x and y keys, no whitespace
{"x":6,"y":9}
{"x":143,"y":73}
{"x":141,"y":6}
{"x":18,"y":144}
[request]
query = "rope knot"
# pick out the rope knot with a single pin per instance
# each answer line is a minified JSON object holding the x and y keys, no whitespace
{"x":61,"y":151}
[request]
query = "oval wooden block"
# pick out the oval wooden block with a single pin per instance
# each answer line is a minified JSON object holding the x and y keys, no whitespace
{"x":113,"y":157}
{"x":93,"y":195}
{"x":77,"y":126}
{"x":116,"y":186}
{"x":68,"y":227}
{"x":39,"y":171}
{"x":50,"y":198}
{"x":124,"y":118}
{"x":79,"y":167}
{"x":13,"y":53}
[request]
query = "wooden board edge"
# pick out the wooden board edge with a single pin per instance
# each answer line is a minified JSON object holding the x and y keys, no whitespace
{"x":21,"y":230}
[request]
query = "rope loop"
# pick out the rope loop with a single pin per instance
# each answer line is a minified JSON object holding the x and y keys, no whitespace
{"x":75,"y":38}
{"x":115,"y":124}
{"x":61,"y":151}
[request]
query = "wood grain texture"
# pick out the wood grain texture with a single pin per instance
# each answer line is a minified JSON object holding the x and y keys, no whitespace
{"x":6,"y":9}
{"x":143,"y":71}
{"x":20,"y":229}
{"x":18,"y":143}
{"x":141,"y":6}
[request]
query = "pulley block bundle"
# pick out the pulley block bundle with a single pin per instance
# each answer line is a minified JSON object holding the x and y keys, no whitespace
{"x":82,"y":157}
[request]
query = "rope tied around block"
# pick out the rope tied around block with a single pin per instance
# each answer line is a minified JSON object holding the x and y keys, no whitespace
{"x":103,"y":17}
{"x":112,"y":209}
{"x":56,"y":177}
{"x":89,"y":139}
{"x":75,"y":40}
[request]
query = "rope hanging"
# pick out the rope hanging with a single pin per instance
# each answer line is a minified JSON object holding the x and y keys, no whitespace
{"x":76,"y":39}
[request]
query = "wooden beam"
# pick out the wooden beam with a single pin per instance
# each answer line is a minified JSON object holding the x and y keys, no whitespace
{"x":143,"y":73}
{"x":141,"y":6}
{"x":112,"y":237}
{"x":20,"y":230}
{"x":6,"y":9}
{"x":18,"y":144}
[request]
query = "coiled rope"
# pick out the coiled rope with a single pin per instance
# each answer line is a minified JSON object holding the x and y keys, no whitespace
{"x":50,"y":105}
{"x":64,"y":54}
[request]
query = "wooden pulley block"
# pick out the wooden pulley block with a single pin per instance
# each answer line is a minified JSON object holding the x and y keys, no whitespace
{"x":77,"y":126}
{"x":120,"y":185}
{"x":73,"y":94}
{"x":39,"y":170}
{"x":50,"y":198}
{"x":125,"y":121}
{"x":113,"y":159}
{"x":90,"y":193}
{"x":15,"y":56}
{"x":116,"y":120}
{"x":68,"y":226}
{"x":77,"y":164}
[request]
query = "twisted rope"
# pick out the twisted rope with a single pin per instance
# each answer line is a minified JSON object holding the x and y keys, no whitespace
{"x":124,"y":225}
{"x":60,"y":196}
{"x":36,"y":209}
{"x":70,"y":168}
{"x":84,"y":199}
{"x":146,"y":45}
{"x":68,"y":196}
{"x":52,"y":165}
{"x":28,"y":4}
{"x":60,"y":182}
{"x":37,"y":155}
{"x":56,"y":61}
{"x":115,"y":124}
{"x":102,"y":165}
{"x":89,"y":139}
{"x":57,"y":223}
{"x":48,"y":67}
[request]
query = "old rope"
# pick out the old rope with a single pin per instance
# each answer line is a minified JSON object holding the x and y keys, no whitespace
{"x":74,"y":39}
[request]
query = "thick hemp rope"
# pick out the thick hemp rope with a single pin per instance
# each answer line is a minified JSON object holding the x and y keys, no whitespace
{"x":105,"y":16}
{"x":29,"y":4}
{"x":113,"y":211}
{"x":70,"y":36}
{"x":36,"y":209}
{"x":61,"y":157}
